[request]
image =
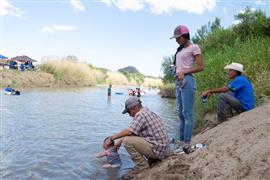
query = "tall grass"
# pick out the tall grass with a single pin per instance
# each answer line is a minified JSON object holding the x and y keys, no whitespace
{"x":254,"y":54}
{"x":167,"y":90}
{"x":17,"y":79}
{"x":70,"y":73}
{"x":117,"y":78}
{"x":152,"y":82}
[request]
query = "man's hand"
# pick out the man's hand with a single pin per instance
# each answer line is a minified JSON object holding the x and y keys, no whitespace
{"x":118,"y":144}
{"x":207,"y":93}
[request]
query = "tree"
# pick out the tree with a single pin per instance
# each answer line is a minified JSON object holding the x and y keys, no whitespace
{"x":72,"y":58}
{"x":215,"y":26}
{"x":203,"y":33}
{"x":165,"y":67}
{"x":252,"y":22}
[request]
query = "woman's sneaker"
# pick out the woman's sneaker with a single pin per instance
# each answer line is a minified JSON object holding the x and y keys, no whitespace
{"x":179,"y":145}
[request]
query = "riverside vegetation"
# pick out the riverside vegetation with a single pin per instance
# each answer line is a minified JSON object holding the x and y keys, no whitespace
{"x":68,"y":72}
{"x":247,"y":42}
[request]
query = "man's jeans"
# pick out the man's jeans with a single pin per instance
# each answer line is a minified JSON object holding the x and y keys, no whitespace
{"x":185,"y":93}
{"x":225,"y":106}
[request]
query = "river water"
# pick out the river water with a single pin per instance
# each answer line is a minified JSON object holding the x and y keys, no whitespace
{"x":54,"y":133}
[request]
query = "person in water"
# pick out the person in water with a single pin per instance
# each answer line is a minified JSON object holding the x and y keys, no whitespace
{"x":113,"y":158}
{"x":131,"y":92}
{"x":9,"y":89}
{"x":138,"y":91}
{"x":110,"y":90}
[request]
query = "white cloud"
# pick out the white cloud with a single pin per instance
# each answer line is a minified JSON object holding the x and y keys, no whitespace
{"x":235,"y":22}
{"x":8,"y":9}
{"x":124,"y":5}
{"x":244,"y":10}
{"x":253,"y":9}
{"x":260,"y":2}
{"x":191,"y":6}
{"x":241,"y":12}
{"x":58,"y":28}
{"x":107,"y":2}
{"x":77,"y":4}
{"x":161,"y":6}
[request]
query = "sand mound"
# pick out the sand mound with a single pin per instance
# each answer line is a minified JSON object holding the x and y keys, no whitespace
{"x":237,"y":149}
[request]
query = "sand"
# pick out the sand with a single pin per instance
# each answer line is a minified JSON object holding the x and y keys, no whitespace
{"x":237,"y":149}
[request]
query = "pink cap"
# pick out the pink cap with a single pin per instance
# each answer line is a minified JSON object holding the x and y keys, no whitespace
{"x":179,"y":31}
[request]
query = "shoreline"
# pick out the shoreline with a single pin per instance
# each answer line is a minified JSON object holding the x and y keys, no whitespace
{"x":41,"y":79}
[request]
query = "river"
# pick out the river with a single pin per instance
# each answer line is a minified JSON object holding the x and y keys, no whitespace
{"x":54,"y":133}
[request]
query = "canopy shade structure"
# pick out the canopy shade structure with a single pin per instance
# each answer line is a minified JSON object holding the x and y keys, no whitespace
{"x":3,"y":57}
{"x":23,"y":58}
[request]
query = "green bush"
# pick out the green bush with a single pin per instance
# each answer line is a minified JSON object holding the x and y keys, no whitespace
{"x":165,"y":67}
{"x":167,"y":90}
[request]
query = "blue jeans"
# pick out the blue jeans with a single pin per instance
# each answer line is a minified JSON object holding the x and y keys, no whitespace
{"x":185,"y":94}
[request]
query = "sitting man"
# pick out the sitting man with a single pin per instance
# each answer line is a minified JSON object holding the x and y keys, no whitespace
{"x":241,"y":97}
{"x":146,"y":138}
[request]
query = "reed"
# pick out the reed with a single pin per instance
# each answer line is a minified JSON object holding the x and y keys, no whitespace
{"x":70,"y":73}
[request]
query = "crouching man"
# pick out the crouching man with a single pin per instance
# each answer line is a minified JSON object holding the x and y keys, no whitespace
{"x":146,"y":138}
{"x":237,"y":96}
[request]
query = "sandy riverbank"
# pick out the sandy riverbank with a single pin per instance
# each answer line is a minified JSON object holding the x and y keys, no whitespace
{"x":27,"y":79}
{"x":237,"y":149}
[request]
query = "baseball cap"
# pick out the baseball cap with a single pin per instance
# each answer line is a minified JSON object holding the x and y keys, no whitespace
{"x":179,"y":31}
{"x":131,"y":102}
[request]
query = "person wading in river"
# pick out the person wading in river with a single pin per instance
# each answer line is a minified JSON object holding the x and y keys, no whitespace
{"x":145,"y":139}
{"x":188,"y":60}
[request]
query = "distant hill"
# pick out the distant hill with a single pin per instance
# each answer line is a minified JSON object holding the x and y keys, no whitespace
{"x":129,"y":69}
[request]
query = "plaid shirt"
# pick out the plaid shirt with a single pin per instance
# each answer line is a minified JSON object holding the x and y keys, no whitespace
{"x":148,"y":125}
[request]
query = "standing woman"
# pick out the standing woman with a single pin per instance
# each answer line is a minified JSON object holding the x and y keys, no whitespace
{"x":188,"y":60}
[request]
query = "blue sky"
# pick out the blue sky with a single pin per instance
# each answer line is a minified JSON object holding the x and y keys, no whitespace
{"x":108,"y":33}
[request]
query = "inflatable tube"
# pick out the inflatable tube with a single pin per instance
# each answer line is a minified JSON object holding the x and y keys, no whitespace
{"x":16,"y":93}
{"x":7,"y":92}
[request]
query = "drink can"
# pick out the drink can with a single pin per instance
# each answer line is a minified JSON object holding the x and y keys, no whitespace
{"x":204,"y":99}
